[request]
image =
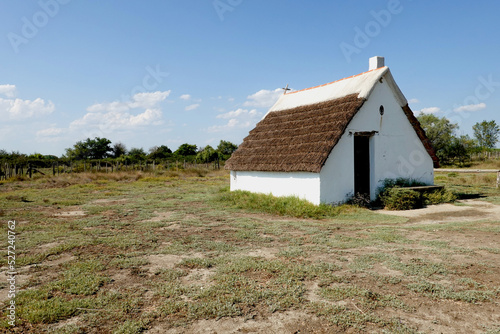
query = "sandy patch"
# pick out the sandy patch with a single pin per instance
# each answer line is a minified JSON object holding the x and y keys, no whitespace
{"x":20,"y":281}
{"x":162,"y":261}
{"x":472,"y":210}
{"x":286,"y":322}
{"x":76,"y":213}
{"x":60,"y":260}
{"x":160,"y":216}
{"x":266,"y":253}
{"x":199,"y":277}
{"x":74,"y":321}
{"x":108,"y":201}
{"x":174,"y":226}
{"x":48,"y":246}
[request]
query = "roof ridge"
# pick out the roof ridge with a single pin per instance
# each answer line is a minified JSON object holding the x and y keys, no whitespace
{"x":329,"y":83}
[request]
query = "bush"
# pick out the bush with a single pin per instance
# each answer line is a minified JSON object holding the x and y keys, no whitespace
{"x":401,"y":199}
{"x":360,"y":200}
{"x":438,"y":197}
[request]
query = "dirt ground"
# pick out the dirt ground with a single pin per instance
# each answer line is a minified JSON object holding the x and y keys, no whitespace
{"x":470,"y":210}
{"x":432,"y":270}
{"x":446,"y":317}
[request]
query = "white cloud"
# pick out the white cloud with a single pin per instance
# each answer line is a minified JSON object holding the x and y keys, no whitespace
{"x":413,"y":101}
{"x":111,"y":107}
{"x":8,"y":90}
{"x":113,"y":120}
{"x":51,"y":132}
{"x":23,"y":109}
{"x":237,"y":119}
{"x":430,"y":110}
{"x":263,"y":98}
{"x":231,"y":124}
{"x":192,"y":107}
{"x":139,"y":100}
{"x":471,"y":107}
{"x":240,"y":112}
{"x":148,"y":100}
{"x":116,"y":115}
{"x":185,"y":97}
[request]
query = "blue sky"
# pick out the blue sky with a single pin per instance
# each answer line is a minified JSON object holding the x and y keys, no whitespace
{"x":163,"y":72}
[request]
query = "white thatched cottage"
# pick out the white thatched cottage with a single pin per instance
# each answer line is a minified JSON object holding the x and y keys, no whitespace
{"x":326,"y":143}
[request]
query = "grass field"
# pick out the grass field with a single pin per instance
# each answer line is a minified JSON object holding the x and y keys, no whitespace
{"x":139,"y":253}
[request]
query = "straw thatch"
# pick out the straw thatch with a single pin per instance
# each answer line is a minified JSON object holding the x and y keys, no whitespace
{"x":295,"y":140}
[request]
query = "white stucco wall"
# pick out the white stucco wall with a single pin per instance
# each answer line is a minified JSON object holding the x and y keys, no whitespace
{"x":395,"y":151}
{"x":301,"y":184}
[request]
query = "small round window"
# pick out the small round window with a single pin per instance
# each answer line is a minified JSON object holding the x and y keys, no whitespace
{"x":381,"y":110}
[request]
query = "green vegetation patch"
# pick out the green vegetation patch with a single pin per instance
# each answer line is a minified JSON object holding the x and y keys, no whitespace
{"x":39,"y":306}
{"x":439,"y":291}
{"x":401,"y":199}
{"x":176,"y":250}
{"x":283,"y":206}
{"x":81,"y":278}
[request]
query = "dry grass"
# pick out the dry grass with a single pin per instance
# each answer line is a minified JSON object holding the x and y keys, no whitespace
{"x":131,"y":253}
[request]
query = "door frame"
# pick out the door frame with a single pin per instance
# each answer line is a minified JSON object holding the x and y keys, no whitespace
{"x":362,"y":162}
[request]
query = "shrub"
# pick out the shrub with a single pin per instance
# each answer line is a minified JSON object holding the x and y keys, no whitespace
{"x":401,"y":199}
{"x":439,"y":196}
{"x":360,"y":200}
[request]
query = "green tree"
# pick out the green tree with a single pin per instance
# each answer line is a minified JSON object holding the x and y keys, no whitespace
{"x":137,"y":154}
{"x":460,"y":149}
{"x":97,"y":148}
{"x":159,"y":152}
{"x":226,"y":148}
{"x":440,"y":132}
{"x":486,"y":133}
{"x":186,"y":150}
{"x":207,"y":154}
{"x":119,"y":149}
{"x":36,"y":156}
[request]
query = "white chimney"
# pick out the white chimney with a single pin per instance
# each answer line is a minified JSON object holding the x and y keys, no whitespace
{"x":376,"y":62}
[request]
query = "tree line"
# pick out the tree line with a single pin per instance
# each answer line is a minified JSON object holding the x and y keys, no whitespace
{"x":103,"y":149}
{"x":454,"y":149}
{"x":450,"y":148}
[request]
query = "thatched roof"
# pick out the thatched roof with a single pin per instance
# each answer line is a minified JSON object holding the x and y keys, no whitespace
{"x":302,"y":128}
{"x":297,"y":139}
